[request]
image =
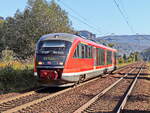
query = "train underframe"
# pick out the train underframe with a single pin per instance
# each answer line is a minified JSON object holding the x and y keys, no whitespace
{"x":56,"y":77}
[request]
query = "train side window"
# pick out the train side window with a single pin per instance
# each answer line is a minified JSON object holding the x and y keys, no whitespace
{"x":80,"y":50}
{"x":91,"y":52}
{"x":102,"y":56}
{"x":109,"y":57}
{"x":86,"y":51}
{"x":83,"y":51}
{"x":115,"y":58}
{"x":77,"y":52}
{"x":97,"y":56}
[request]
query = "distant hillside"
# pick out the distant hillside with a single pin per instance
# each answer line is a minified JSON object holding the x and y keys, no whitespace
{"x":127,"y":43}
{"x":146,"y":54}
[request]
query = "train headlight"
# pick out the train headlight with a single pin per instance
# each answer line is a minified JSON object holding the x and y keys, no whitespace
{"x":60,"y":63}
{"x":40,"y":63}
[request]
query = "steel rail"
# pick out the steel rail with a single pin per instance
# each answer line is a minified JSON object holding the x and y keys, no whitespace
{"x":123,"y":67}
{"x":120,"y":108}
{"x":20,"y":96}
{"x":83,"y":107}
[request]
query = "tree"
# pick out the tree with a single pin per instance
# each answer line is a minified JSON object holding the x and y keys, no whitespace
{"x":23,"y":30}
{"x":124,"y":57}
{"x":110,"y":44}
{"x":1,"y":34}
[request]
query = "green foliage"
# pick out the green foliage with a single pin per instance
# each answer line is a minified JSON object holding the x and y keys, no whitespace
{"x":146,"y":54}
{"x":133,"y":57}
{"x":16,"y":80}
{"x":1,"y":35}
{"x":7,"y":55}
{"x":120,"y":60}
{"x":21,"y":32}
{"x":124,"y":57}
{"x":111,"y":45}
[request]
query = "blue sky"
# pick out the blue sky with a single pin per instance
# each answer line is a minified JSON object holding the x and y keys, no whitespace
{"x":102,"y":15}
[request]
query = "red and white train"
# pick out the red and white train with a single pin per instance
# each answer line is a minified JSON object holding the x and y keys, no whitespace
{"x":63,"y":59}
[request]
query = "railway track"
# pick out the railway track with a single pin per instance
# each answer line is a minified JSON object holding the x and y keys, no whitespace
{"x":139,"y":99}
{"x":21,"y":99}
{"x":27,"y":100}
{"x":106,"y":101}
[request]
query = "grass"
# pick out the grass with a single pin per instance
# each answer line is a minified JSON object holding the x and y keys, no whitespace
{"x":148,"y":64}
{"x":124,"y":64}
{"x":16,"y":77}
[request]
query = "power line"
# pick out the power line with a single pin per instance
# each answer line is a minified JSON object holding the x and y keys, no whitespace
{"x":81,"y":19}
{"x":123,"y":8}
{"x":90,"y":26}
{"x":124,"y":17}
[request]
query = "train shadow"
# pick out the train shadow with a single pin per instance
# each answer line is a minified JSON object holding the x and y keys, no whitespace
{"x":134,"y":111}
{"x":51,"y":89}
{"x":139,"y":97}
{"x":124,"y":111}
{"x":131,"y":76}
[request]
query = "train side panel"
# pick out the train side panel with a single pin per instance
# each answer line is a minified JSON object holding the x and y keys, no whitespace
{"x":85,"y":64}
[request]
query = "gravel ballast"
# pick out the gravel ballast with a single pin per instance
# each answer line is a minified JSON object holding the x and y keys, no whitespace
{"x":139,"y":100}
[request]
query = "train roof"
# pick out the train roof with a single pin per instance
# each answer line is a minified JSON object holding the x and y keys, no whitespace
{"x":71,"y":38}
{"x":58,"y":36}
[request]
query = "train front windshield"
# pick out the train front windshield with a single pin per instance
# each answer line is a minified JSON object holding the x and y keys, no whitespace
{"x":52,"y":52}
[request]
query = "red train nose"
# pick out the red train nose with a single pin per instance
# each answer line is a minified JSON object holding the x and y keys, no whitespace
{"x":49,"y":74}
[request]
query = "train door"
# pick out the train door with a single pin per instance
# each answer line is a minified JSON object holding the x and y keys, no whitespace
{"x":94,"y":57}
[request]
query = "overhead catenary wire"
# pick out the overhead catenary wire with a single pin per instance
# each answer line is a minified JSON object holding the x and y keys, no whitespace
{"x":123,"y":8}
{"x":124,"y":17}
{"x":81,"y":18}
{"x":90,"y":26}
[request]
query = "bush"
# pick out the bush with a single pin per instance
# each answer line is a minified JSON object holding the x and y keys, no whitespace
{"x":7,"y":55}
{"x":14,"y":80}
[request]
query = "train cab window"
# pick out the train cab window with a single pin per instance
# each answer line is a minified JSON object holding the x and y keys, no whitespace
{"x":52,"y":52}
{"x":53,"y":47}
